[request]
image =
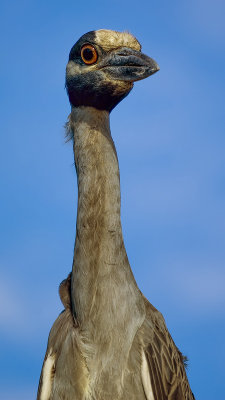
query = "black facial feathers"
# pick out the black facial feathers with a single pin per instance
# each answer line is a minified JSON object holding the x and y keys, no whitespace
{"x":87,"y":38}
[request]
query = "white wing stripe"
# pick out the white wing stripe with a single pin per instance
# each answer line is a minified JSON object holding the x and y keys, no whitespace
{"x":146,"y":378}
{"x":47,"y":377}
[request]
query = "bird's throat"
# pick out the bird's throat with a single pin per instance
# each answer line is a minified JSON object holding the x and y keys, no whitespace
{"x":104,"y":295}
{"x":98,"y":233}
{"x":102,"y":279}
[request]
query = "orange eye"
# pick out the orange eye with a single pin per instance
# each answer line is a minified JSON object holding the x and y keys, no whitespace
{"x":88,"y":54}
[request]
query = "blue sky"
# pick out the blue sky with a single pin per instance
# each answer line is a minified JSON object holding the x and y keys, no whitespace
{"x":169,"y":134}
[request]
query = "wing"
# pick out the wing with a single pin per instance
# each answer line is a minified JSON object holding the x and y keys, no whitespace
{"x":60,"y":333}
{"x":63,"y":365}
{"x":163,"y":365}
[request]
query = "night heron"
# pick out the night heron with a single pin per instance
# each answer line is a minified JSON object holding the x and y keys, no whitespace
{"x":109,"y":343}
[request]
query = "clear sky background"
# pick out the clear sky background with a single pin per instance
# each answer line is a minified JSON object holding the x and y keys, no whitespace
{"x":170,"y":137}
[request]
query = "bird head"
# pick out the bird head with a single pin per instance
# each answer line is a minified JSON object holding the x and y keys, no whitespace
{"x":102,"y":67}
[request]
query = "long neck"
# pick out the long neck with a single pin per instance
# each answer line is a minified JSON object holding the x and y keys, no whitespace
{"x":102,"y":280}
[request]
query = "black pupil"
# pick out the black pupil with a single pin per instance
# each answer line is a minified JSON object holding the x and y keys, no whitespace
{"x":88,"y":54}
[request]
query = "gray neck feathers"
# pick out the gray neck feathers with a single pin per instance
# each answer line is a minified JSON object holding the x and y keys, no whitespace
{"x":105,"y":297}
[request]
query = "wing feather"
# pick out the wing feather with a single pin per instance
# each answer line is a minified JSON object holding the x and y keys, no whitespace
{"x":165,"y":362}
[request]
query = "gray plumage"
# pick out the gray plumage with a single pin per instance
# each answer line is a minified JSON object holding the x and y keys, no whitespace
{"x":109,"y":343}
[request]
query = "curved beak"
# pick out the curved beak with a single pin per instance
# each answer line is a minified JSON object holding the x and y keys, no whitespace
{"x":126,"y":64}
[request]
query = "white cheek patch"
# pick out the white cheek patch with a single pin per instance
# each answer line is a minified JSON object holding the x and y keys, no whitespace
{"x":47,"y":377}
{"x":73,"y":69}
{"x":146,"y":378}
